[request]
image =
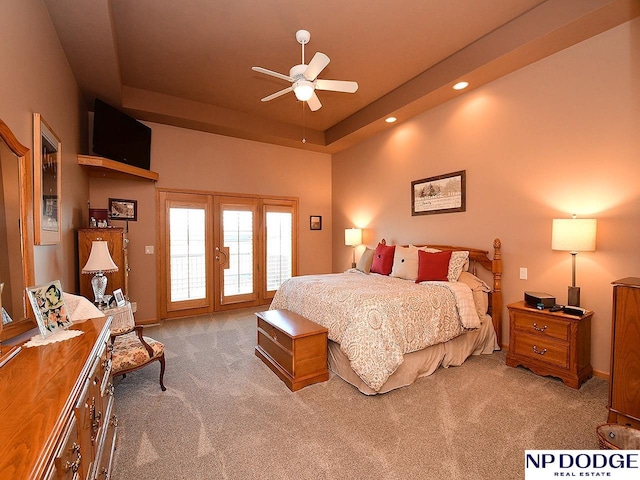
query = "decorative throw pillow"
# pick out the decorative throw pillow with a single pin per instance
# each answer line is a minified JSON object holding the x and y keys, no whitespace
{"x":405,"y":263}
{"x":459,"y":262}
{"x":383,"y":259}
{"x":364,"y":263}
{"x":433,"y":266}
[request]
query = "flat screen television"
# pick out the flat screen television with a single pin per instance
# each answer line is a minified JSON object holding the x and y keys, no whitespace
{"x":119,"y":137}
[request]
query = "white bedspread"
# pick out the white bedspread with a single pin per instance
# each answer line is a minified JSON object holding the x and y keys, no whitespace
{"x":377,"y":319}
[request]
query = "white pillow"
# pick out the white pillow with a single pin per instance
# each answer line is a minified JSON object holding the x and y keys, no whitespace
{"x":405,"y":263}
{"x":365,"y":261}
{"x":459,"y":262}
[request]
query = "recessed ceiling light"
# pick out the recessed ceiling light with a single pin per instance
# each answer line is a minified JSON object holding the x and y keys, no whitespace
{"x":461,"y":85}
{"x":390,"y":119}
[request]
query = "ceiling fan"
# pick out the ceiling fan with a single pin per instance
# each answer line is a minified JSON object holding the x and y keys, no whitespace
{"x":304,"y":78}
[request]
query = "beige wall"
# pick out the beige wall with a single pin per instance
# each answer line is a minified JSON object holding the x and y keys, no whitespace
{"x":555,"y":138}
{"x":35,"y":77}
{"x":186,"y":159}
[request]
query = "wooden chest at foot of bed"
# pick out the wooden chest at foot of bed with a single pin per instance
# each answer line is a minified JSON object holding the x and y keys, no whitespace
{"x":294,"y":347}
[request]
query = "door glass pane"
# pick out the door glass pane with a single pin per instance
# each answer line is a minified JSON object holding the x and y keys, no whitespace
{"x":279,"y":248}
{"x":237,"y":228}
{"x":187,"y":251}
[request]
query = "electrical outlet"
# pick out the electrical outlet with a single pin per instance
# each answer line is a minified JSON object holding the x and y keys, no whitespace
{"x":523,"y":273}
{"x":148,"y":249}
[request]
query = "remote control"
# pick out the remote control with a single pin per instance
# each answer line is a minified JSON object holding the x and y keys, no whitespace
{"x":556,"y":308}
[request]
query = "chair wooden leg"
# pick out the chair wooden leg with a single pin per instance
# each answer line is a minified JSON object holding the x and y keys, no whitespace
{"x":161,"y":359}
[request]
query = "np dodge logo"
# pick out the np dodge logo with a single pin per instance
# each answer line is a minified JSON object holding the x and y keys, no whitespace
{"x":610,"y":464}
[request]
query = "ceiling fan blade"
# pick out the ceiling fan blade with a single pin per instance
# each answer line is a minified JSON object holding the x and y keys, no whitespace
{"x":277,"y":94}
{"x":316,"y":65}
{"x":337,"y":85}
{"x":273,"y":74}
{"x":314,"y":102}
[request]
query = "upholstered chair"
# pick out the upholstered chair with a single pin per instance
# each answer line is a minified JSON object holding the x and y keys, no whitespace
{"x":132,"y":350}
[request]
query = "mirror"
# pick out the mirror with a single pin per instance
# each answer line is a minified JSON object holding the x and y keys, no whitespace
{"x":16,"y":234}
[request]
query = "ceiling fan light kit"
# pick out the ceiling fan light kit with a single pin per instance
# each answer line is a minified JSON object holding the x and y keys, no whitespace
{"x":304,"y":78}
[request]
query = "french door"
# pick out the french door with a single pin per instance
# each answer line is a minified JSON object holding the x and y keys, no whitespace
{"x":185,"y":254}
{"x":219,"y":252}
{"x":236,"y":251}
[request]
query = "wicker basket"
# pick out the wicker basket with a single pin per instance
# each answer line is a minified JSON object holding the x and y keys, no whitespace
{"x":612,"y":436}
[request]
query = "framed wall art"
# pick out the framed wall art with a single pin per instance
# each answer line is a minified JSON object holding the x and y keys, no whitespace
{"x":120,"y":209}
{"x":47,"y":166}
{"x":315,"y":222}
{"x":440,"y":194}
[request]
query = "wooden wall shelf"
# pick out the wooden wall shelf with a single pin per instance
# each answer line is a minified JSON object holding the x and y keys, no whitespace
{"x":100,"y":167}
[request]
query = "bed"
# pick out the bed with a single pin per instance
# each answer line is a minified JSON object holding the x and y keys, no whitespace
{"x":379,"y":338}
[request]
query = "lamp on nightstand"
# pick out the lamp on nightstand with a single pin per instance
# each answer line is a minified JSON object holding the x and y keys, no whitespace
{"x":574,"y":235}
{"x":99,"y":263}
{"x":353,"y":238}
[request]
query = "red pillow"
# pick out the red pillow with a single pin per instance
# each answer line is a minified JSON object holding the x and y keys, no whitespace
{"x":433,"y":266}
{"x":383,"y":259}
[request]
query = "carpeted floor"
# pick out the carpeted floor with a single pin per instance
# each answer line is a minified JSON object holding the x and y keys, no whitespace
{"x":225,"y":415}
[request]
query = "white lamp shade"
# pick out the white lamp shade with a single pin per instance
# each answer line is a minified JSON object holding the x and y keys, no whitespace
{"x":574,"y":234}
{"x":99,"y":259}
{"x":303,"y":90}
{"x":353,"y":236}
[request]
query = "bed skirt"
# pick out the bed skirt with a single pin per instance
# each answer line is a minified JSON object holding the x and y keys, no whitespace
{"x":423,"y":362}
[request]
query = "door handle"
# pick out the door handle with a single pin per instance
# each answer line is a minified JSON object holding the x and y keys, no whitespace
{"x":223,"y":251}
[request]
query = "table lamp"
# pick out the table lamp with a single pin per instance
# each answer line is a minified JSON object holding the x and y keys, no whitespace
{"x":353,"y":238}
{"x":574,"y":235}
{"x":99,"y":263}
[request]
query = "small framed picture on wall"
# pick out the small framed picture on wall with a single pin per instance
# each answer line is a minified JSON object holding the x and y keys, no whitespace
{"x":315,"y":222}
{"x":120,"y":209}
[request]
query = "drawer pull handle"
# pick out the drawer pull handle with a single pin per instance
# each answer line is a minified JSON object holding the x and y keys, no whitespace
{"x":539,"y":352}
{"x":75,"y":465}
{"x":274,"y":335}
{"x":538,"y":329}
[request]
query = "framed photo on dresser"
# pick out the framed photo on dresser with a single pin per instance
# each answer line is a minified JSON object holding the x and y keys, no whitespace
{"x":119,"y":297}
{"x":49,"y":308}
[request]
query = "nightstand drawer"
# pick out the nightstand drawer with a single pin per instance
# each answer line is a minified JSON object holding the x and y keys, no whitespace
{"x":543,"y":350}
{"x":533,"y":324}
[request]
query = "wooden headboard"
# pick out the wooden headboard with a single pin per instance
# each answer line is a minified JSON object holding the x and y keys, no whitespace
{"x":493,"y":265}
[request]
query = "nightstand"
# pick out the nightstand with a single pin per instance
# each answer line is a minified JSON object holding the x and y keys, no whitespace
{"x":550,"y":343}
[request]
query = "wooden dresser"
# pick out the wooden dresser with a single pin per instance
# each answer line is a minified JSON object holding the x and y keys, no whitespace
{"x":56,"y":408}
{"x":550,"y":343}
{"x":624,"y":384}
{"x":293,"y":347}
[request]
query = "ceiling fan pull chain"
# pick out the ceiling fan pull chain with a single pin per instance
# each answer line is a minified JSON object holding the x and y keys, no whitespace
{"x":304,"y":140}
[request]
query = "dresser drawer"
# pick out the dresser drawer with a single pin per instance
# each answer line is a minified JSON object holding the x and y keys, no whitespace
{"x":282,"y":357}
{"x":68,"y":459}
{"x":542,"y":325}
{"x":276,"y":334}
{"x":542,"y":349}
